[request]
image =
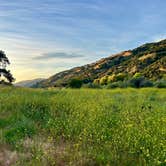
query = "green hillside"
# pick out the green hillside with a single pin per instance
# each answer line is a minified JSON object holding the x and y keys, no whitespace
{"x":148,"y":59}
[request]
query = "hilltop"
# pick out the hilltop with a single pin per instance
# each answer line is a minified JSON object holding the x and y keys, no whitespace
{"x":148,"y":59}
{"x":28,"y":83}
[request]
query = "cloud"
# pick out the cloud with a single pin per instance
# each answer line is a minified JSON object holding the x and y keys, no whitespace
{"x":59,"y":55}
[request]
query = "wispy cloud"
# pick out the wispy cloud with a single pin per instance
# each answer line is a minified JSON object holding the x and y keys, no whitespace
{"x":59,"y":55}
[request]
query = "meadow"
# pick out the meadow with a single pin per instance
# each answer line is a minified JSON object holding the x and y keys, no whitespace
{"x":119,"y":127}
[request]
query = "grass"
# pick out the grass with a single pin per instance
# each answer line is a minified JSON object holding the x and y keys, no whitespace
{"x":82,"y":127}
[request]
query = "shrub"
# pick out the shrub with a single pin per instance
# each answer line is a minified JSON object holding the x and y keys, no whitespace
{"x":160,"y":84}
{"x":111,"y":78}
{"x":119,"y":84}
{"x":91,"y":85}
{"x":75,"y":83}
{"x":116,"y":78}
{"x":38,"y":111}
{"x":96,"y":81}
{"x":21,"y":129}
{"x":137,"y":75}
{"x":146,"y":83}
{"x":120,"y":76}
{"x":136,"y":82}
{"x":103,"y":80}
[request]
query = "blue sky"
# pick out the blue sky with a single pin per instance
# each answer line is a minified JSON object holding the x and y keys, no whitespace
{"x":43,"y":37}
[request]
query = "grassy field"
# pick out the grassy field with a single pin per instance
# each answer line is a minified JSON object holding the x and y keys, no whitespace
{"x":82,"y":127}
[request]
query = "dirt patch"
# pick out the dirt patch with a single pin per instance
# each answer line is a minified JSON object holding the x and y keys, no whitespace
{"x":52,"y":152}
{"x":132,"y":70}
{"x":162,"y":69}
{"x":142,"y":58}
{"x":7,"y":157}
{"x":46,"y":151}
{"x":127,"y":53}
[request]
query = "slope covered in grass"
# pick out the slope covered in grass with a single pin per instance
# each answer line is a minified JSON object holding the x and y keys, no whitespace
{"x":82,"y":127}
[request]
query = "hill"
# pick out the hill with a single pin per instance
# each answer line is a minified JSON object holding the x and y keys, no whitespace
{"x":148,"y":59}
{"x":28,"y":83}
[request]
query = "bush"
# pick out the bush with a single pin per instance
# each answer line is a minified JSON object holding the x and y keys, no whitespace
{"x":103,"y":80}
{"x":21,"y":129}
{"x":137,"y":75}
{"x":160,"y":84}
{"x":120,"y":76}
{"x":111,"y":78}
{"x":91,"y":85}
{"x":119,"y":84}
{"x":96,"y":81}
{"x":136,"y":82}
{"x":75,"y":83}
{"x":116,"y":78}
{"x":146,"y":83}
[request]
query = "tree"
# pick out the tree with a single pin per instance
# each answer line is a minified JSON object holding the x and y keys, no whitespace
{"x":116,"y":78}
{"x":160,"y":83}
{"x":96,"y":81}
{"x":137,"y":75}
{"x":136,"y":82}
{"x":4,"y":61}
{"x":111,"y":78}
{"x":103,"y":80}
{"x":75,"y":83}
{"x":120,"y":77}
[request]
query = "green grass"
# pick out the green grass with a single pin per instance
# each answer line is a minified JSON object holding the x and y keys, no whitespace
{"x":83,"y":127}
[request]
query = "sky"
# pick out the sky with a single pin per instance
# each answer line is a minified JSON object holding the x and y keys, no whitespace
{"x":43,"y":37}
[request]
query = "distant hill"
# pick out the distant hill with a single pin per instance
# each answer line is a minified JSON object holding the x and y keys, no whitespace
{"x":148,"y":59}
{"x":28,"y":83}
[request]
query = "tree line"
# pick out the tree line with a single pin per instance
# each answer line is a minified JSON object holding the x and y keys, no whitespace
{"x":120,"y":80}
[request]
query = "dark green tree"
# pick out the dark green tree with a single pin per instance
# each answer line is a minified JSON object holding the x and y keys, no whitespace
{"x":4,"y":61}
{"x":75,"y":83}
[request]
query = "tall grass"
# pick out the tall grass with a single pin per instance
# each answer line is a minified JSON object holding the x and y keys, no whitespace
{"x":84,"y":127}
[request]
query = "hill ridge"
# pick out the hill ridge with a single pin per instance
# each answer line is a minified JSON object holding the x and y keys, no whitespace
{"x":147,"y":59}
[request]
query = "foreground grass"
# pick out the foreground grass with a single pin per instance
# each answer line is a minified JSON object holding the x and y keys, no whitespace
{"x":82,"y":127}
